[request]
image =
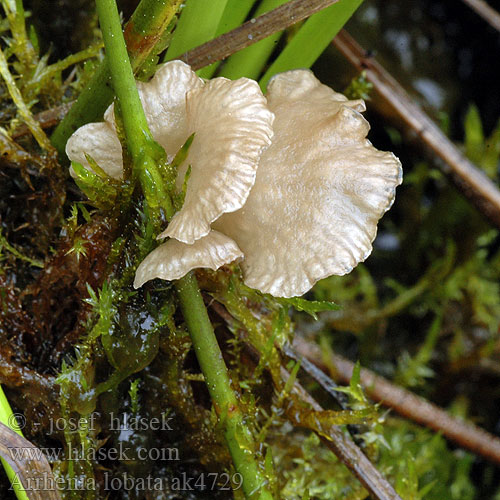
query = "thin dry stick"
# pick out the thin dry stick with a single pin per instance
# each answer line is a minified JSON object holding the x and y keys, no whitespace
{"x":349,"y":454}
{"x":488,"y":13}
{"x":34,"y":474}
{"x":253,"y":31}
{"x":473,"y":183}
{"x":47,"y":118}
{"x":406,"y":403}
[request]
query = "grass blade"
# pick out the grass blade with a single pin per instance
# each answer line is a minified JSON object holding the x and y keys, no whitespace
{"x":197,"y":24}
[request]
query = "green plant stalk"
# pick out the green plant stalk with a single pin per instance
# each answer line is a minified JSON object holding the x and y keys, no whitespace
{"x":134,"y":120}
{"x":312,"y":39}
{"x":238,"y":437}
{"x":143,"y":149}
{"x":15,"y":12}
{"x":8,"y":418}
{"x":197,"y":24}
{"x":142,"y":32}
{"x":140,"y":146}
{"x":234,"y":14}
{"x":250,"y":61}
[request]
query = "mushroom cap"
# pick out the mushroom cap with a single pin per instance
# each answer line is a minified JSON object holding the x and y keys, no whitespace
{"x":174,"y":259}
{"x":320,"y":189}
{"x":100,"y":141}
{"x":164,"y":101}
{"x":232,"y":126}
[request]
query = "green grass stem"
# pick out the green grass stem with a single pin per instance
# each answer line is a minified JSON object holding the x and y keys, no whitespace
{"x":197,"y":24}
{"x":238,"y":437}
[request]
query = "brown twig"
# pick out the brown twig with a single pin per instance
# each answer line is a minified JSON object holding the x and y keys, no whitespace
{"x":47,"y":119}
{"x":319,"y":375}
{"x":349,"y":454}
{"x":409,"y":405}
{"x":473,"y":183}
{"x":488,"y":13}
{"x":29,"y":464}
{"x":253,"y":31}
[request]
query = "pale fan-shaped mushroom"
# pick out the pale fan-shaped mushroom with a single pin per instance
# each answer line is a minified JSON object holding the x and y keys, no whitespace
{"x":231,"y":123}
{"x":321,"y":188}
{"x":164,"y":102}
{"x":303,"y":209}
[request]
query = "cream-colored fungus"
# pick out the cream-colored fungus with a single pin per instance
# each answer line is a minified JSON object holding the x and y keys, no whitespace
{"x":294,"y":209}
